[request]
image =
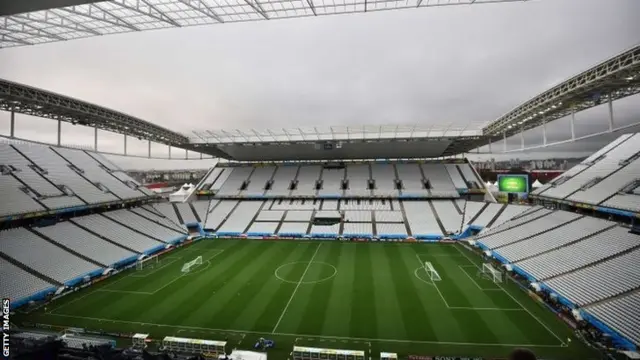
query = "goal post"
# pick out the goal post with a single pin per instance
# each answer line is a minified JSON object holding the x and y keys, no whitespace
{"x":492,"y":273}
{"x":147,"y":262}
{"x":188,"y":265}
{"x":431,"y":271}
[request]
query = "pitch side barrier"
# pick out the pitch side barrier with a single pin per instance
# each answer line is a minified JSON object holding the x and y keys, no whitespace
{"x":617,"y":338}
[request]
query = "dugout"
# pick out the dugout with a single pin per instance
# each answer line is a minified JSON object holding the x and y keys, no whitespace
{"x":308,"y":353}
{"x":194,"y":346}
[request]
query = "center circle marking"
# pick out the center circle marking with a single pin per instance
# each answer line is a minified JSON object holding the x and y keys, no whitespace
{"x":335,"y":272}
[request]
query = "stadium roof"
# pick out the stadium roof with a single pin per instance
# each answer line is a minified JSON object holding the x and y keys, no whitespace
{"x":339,"y":142}
{"x":613,"y":79}
{"x":46,"y":104}
{"x":59,"y":20}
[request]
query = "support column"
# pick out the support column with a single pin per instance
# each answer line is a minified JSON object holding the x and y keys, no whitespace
{"x":59,"y":131}
{"x":544,"y":132}
{"x":149,"y":148}
{"x":95,"y":138}
{"x":521,"y":137}
{"x":573,"y":124}
{"x":490,"y":148}
{"x":200,"y":156}
{"x":169,"y":152}
{"x":186,"y":154}
{"x":125,"y":144}
{"x":610,"y":113}
{"x":504,"y":141}
{"x":12,"y":132}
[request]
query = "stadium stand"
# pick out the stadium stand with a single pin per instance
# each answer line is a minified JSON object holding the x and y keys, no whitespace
{"x":306,"y":180}
{"x":258,"y":181}
{"x":150,"y":228}
{"x":107,"y":228}
{"x":17,"y":283}
{"x":219,"y":213}
{"x":149,"y":213}
{"x":201,"y":208}
{"x":621,"y":314}
{"x":331,"y":179}
{"x":70,"y":235}
{"x":186,"y":214}
{"x":608,"y":178}
{"x":237,"y":178}
{"x":167,"y":210}
{"x":603,"y":280}
{"x":240,"y":218}
{"x":421,"y":219}
{"x":448,"y":214}
{"x":50,"y":260}
{"x":358,"y":177}
{"x":441,"y":184}
{"x":413,"y":184}
{"x":282,"y":180}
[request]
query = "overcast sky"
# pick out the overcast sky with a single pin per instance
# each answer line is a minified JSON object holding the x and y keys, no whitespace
{"x":456,"y":64}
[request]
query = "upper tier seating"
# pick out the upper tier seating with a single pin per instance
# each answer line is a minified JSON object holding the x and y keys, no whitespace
{"x":598,"y":179}
{"x":49,"y":260}
{"x":441,"y":182}
{"x":358,"y":180}
{"x":17,"y":283}
{"x":258,"y":181}
{"x":384,"y":176}
{"x":412,"y":180}
{"x":152,"y":214}
{"x":308,"y":175}
{"x":332,"y":182}
{"x":282,"y":179}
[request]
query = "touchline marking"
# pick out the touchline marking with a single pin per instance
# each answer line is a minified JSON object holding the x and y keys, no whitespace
{"x":434,"y":284}
{"x":296,"y":289}
{"x":124,"y":291}
{"x":310,"y":336}
{"x":518,"y":302}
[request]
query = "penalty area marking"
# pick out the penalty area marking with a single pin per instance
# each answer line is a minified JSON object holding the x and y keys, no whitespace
{"x":197,"y":328}
{"x":335,"y":272}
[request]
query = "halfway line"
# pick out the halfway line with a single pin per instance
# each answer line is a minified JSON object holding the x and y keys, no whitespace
{"x":296,"y":289}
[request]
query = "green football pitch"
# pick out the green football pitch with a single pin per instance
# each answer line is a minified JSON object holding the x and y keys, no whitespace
{"x":346,"y":295}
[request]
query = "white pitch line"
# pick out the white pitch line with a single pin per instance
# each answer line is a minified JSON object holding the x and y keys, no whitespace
{"x":518,"y":302}
{"x":472,"y":279}
{"x":197,"y":328}
{"x":296,"y":289}
{"x":434,"y":284}
{"x":182,"y":275}
{"x":124,"y":291}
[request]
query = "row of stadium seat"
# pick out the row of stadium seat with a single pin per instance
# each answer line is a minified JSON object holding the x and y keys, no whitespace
{"x":84,"y":244}
{"x":610,"y":177}
{"x":444,"y":179}
{"x":590,"y":262}
{"x":423,"y":218}
{"x":37,"y":178}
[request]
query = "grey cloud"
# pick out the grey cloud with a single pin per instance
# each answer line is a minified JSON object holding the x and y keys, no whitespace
{"x":427,"y":66}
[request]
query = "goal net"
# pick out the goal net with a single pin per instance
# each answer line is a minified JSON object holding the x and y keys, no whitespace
{"x":433,"y":274}
{"x":491,"y":273}
{"x":148,"y":262}
{"x":188,"y":265}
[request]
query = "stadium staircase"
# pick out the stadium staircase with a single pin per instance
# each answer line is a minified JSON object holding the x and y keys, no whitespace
{"x":569,"y":243}
{"x":464,"y":178}
{"x":496,"y":216}
{"x":133,"y":229}
{"x":464,"y":209}
{"x":481,"y":236}
{"x":546,"y":230}
{"x":435,"y":214}
{"x":80,"y":173}
{"x":425,"y":181}
{"x":37,"y":197}
{"x":617,"y":296}
{"x":28,"y":269}
{"x":143,"y":215}
{"x":228,"y":215}
{"x":478,"y":214}
{"x":374,"y":225}
{"x":255,"y":216}
{"x":178,"y":215}
{"x":313,"y":215}
{"x":457,"y":206}
{"x":66,"y":248}
{"x":404,"y":218}
{"x":195,"y":212}
{"x":595,"y":262}
{"x":103,"y":237}
{"x":284,"y":216}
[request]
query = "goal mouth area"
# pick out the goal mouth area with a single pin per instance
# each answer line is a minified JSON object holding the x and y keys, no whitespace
{"x":431,"y":271}
{"x":495,"y":275}
{"x":191,"y":264}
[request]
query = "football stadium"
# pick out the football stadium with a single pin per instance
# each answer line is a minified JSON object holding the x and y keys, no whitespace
{"x":323,"y":242}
